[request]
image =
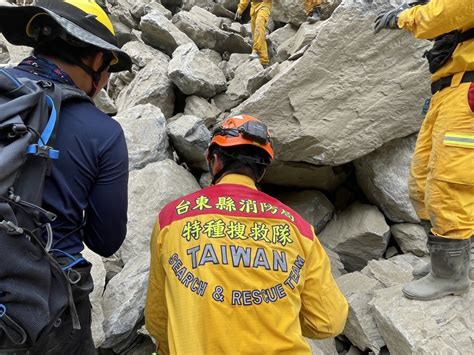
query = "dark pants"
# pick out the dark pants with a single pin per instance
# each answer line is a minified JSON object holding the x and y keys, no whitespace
{"x":63,"y":339}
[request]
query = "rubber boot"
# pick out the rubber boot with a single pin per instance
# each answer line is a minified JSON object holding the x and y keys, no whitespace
{"x":253,"y":55}
{"x":424,"y":269}
{"x":315,"y":16}
{"x":450,"y":260}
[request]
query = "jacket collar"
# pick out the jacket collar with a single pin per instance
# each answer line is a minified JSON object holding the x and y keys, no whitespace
{"x":238,"y":179}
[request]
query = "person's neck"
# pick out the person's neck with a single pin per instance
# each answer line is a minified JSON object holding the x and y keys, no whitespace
{"x":80,"y":78}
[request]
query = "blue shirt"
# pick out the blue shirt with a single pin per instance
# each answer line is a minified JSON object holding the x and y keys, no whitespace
{"x":87,"y":187}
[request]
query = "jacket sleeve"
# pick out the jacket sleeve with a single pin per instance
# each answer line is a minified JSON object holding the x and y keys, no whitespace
{"x":243,"y":5}
{"x":156,"y":314}
{"x":106,"y":214}
{"x":324,"y":308}
{"x":437,"y":17}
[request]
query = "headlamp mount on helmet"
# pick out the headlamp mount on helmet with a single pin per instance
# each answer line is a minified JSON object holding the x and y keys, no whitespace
{"x":252,"y":130}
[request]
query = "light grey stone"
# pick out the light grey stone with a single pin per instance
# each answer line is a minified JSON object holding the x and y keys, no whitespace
{"x":4,"y":54}
{"x":124,"y":300}
{"x":205,"y":180}
{"x":411,"y":238}
{"x":358,"y":234}
{"x":305,"y":175}
{"x":282,"y":34}
{"x":337,"y":267}
{"x":150,"y":85}
{"x":142,"y":54}
{"x":190,"y":138}
{"x":303,"y":37}
{"x":312,"y":205}
{"x":145,"y":131}
{"x":16,"y":53}
{"x":200,"y":107}
{"x":194,"y":74}
{"x":105,"y":103}
{"x":141,"y":9}
{"x":292,"y":11}
{"x":204,"y":30}
{"x":383,"y":176}
{"x":443,"y":326}
{"x":235,"y":61}
{"x":212,"y":55}
{"x":249,"y":77}
{"x":98,"y":275}
{"x":120,"y":13}
{"x":160,"y":33}
{"x":331,"y":107}
{"x":149,"y":190}
{"x":360,"y":327}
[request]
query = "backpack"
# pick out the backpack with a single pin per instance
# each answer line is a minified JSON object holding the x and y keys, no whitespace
{"x":35,"y":290}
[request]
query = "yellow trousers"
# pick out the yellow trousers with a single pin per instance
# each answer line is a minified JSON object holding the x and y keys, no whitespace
{"x":442,"y":171}
{"x":259,"y":14}
{"x":309,"y":5}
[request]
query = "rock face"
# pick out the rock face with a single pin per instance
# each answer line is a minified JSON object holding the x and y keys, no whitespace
{"x":333,"y":107}
{"x":411,"y":238}
{"x":358,"y":234}
{"x":190,"y":138}
{"x":203,"y":28}
{"x":150,"y":189}
{"x":145,"y":131}
{"x":105,"y":103}
{"x":142,"y":54}
{"x":312,"y":205}
{"x":160,"y":33}
{"x":444,"y":326}
{"x":151,"y":85}
{"x":383,"y":176}
{"x":194,"y":74}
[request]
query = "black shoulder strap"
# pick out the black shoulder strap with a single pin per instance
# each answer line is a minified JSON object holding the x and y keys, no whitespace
{"x":467,"y":35}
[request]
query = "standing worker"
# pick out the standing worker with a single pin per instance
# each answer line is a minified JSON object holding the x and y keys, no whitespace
{"x":234,"y":270}
{"x":259,"y":14}
{"x":312,"y":9}
{"x":74,"y":46}
{"x":442,"y":178}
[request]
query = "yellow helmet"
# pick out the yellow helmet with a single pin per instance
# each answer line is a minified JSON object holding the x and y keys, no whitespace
{"x":81,"y":20}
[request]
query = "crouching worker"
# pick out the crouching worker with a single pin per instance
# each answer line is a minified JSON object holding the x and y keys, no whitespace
{"x":234,"y":270}
{"x":259,"y":14}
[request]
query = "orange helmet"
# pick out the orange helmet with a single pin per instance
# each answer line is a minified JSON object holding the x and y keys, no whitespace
{"x":243,"y":130}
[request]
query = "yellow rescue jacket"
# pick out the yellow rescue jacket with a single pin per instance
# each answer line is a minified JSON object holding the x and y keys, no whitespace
{"x":235,"y":271}
{"x":439,"y":17}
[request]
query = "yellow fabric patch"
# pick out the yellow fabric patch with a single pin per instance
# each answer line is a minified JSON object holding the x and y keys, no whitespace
{"x":459,"y":140}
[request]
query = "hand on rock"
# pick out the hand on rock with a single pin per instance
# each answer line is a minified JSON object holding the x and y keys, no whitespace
{"x":387,"y":20}
{"x":238,"y":15}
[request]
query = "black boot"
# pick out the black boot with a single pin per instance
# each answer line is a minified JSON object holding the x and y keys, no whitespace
{"x":450,"y":260}
{"x":315,"y":16}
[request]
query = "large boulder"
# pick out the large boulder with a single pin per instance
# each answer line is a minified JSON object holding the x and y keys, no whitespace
{"x":200,"y":107}
{"x":331,"y":107}
{"x":194,"y":73}
{"x":292,"y":11}
{"x":145,"y":131}
{"x":124,"y":300}
{"x":104,"y":103}
{"x":443,"y":326}
{"x":151,"y":85}
{"x":160,"y":33}
{"x":312,"y":205}
{"x":358,"y":234}
{"x":281,"y":35}
{"x":142,"y":54}
{"x":411,"y":238}
{"x":203,"y":28}
{"x":383,"y":176}
{"x":190,"y":138}
{"x":149,"y":190}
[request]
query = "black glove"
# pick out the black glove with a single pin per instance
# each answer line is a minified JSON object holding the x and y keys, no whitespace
{"x":387,"y":20}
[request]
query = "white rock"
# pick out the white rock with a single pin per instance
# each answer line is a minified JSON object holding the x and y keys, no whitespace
{"x":279,"y":36}
{"x":411,"y":238}
{"x":190,"y":138}
{"x":145,"y":131}
{"x":212,"y":55}
{"x":142,"y":54}
{"x":105,"y":103}
{"x":141,"y":9}
{"x":160,"y":33}
{"x":194,"y":74}
{"x":333,"y":106}
{"x":200,"y":107}
{"x":149,"y":190}
{"x":383,"y":176}
{"x":151,"y":85}
{"x":358,"y":234}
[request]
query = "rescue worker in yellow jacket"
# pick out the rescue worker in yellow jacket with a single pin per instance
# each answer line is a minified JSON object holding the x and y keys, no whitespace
{"x":259,"y":15}
{"x":235,"y":271}
{"x":312,"y":9}
{"x":442,"y":170}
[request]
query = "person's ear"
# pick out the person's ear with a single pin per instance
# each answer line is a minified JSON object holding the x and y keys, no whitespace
{"x":97,"y":61}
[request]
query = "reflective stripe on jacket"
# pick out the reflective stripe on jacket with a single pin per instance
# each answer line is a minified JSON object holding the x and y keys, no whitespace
{"x":439,"y":17}
{"x":235,"y":271}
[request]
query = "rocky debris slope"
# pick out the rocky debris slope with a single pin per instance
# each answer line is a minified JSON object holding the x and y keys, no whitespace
{"x":344,"y":107}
